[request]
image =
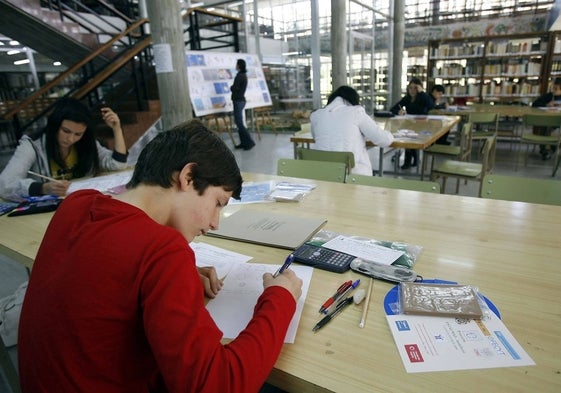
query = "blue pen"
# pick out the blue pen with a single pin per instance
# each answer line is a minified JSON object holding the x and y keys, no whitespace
{"x":285,"y":265}
{"x":341,"y":296}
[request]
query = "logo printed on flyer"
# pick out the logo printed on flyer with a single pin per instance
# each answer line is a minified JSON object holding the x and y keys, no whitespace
{"x":413,"y":353}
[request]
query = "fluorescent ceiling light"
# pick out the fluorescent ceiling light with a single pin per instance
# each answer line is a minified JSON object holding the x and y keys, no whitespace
{"x":20,"y":62}
{"x":13,"y":52}
{"x":57,"y":63}
{"x":14,"y":42}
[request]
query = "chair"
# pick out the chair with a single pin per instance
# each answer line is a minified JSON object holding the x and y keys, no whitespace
{"x":219,"y":123}
{"x":262,"y":117}
{"x":528,"y":139}
{"x":317,"y":170}
{"x":467,"y":170}
{"x":389,"y":182}
{"x":461,"y":152}
{"x":521,"y":189}
{"x":485,"y":124}
{"x":345,"y":157}
{"x":556,"y":165}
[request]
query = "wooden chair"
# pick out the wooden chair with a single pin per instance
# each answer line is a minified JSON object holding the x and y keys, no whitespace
{"x":467,"y":170}
{"x":262,"y":117}
{"x":461,"y":152}
{"x":220,"y":122}
{"x":485,"y":124}
{"x":528,"y":139}
{"x":390,"y":182}
{"x":317,"y":170}
{"x":345,"y":157}
{"x":521,"y":189}
{"x":556,"y":165}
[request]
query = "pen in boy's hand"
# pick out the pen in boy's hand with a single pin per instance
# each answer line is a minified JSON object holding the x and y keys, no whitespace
{"x":285,"y":265}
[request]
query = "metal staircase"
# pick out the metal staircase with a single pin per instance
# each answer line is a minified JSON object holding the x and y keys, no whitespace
{"x":111,"y":57}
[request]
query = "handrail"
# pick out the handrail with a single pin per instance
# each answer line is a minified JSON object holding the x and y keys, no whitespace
{"x":204,"y":11}
{"x":107,"y":72}
{"x":45,"y":88}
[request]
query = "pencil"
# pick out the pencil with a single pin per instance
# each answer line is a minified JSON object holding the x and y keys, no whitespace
{"x":42,"y":176}
{"x":365,"y":305}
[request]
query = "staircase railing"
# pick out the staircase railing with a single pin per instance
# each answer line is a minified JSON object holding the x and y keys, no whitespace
{"x":84,"y":80}
{"x":222,"y":30}
{"x":96,"y":16}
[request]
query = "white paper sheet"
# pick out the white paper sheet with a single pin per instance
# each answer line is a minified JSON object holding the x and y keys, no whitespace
{"x":221,"y":259}
{"x":364,"y":249}
{"x":440,"y":344}
{"x":101,"y":183}
{"x":233,"y":308}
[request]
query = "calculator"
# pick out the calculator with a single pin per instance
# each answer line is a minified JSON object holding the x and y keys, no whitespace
{"x":323,"y":258}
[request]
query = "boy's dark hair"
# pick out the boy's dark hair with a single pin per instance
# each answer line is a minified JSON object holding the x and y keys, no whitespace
{"x":438,"y":88}
{"x":189,"y":142}
{"x":74,"y":110}
{"x":347,"y":93}
{"x":557,"y":81}
{"x":241,"y":65}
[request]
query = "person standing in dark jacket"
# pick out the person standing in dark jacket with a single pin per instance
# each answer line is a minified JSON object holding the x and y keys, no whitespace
{"x":238,"y":99}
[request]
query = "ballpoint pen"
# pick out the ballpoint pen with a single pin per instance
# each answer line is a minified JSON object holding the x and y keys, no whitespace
{"x":340,"y":307}
{"x":336,"y":295}
{"x":342,"y":294}
{"x":285,"y":265}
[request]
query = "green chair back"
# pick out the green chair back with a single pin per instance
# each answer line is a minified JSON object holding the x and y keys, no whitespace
{"x":483,"y":118}
{"x":542,"y":120}
{"x":522,"y":189}
{"x":489,"y":121}
{"x":317,"y":170}
{"x":345,"y":157}
{"x":389,"y":182}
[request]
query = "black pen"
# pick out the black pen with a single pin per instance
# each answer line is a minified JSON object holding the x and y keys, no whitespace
{"x":285,"y":265}
{"x":340,"y":307}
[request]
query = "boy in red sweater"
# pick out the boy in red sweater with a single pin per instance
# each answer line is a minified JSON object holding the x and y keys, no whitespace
{"x":115,"y":302}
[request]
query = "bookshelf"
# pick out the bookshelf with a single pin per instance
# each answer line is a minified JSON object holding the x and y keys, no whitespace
{"x":512,"y":69}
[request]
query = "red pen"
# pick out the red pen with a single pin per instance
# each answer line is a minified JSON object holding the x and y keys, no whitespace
{"x":336,"y":295}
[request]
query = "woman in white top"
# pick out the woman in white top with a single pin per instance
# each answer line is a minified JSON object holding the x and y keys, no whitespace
{"x":343,"y":125}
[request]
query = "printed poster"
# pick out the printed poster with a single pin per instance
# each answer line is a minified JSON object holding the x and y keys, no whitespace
{"x":211,"y":74}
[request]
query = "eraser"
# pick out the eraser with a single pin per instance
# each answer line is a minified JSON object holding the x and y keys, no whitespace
{"x":359,"y":296}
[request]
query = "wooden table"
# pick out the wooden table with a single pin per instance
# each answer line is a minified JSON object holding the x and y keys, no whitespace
{"x":509,"y":250}
{"x":428,"y":128}
{"x":502,"y":110}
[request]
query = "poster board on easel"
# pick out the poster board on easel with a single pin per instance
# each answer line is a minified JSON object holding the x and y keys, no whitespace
{"x":211,"y":74}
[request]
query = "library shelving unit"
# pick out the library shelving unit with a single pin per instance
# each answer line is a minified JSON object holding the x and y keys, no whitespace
{"x":555,"y":55}
{"x":493,"y":69}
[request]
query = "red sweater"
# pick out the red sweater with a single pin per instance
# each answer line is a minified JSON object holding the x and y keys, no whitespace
{"x":115,"y":304}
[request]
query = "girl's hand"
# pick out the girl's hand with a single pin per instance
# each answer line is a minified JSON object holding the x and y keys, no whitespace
{"x":58,"y":188}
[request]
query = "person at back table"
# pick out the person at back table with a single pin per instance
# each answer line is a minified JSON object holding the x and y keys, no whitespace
{"x":119,"y":305}
{"x":551,"y":99}
{"x":343,"y":125}
{"x":415,"y":102}
{"x":439,"y":102}
{"x":65,"y":150}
